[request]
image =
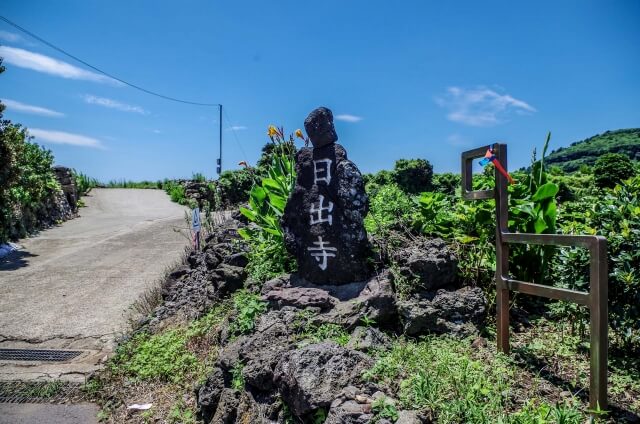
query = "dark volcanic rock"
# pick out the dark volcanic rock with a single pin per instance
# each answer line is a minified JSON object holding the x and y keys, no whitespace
{"x":229,"y":278}
{"x":350,"y":412}
{"x":350,"y":302}
{"x":192,"y":288}
{"x":68,"y":185}
{"x":429,"y":264}
{"x":208,"y":395}
{"x":261,"y":351}
{"x":365,"y":338}
{"x":313,"y":376}
{"x":456,"y":312}
{"x":227,"y":409}
{"x":300,"y":297}
{"x":376,"y":301}
{"x":323,"y":221}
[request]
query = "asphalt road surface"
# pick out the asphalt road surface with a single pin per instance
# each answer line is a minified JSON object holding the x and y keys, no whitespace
{"x":72,"y":286}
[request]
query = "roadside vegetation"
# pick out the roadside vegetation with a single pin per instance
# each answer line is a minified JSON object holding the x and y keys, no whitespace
{"x":28,"y":185}
{"x":448,"y":380}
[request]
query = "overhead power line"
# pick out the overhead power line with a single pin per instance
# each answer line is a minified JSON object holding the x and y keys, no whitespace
{"x":77,"y":59}
{"x":235,"y":135}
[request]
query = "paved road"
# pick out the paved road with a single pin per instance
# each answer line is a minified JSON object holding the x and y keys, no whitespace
{"x":72,"y":286}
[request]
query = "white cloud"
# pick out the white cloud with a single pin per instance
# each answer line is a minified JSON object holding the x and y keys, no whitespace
{"x":157,"y":132}
{"x":48,"y":65}
{"x":348,"y":118}
{"x":34,"y":110}
{"x":237,"y":128}
{"x":481,"y":106}
{"x":10,"y":36}
{"x":458,"y":141}
{"x":60,"y":137}
{"x":113,"y":104}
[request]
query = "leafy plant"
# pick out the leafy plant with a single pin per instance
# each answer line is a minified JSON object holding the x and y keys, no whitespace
{"x":384,"y":408}
{"x":611,"y":169}
{"x":161,"y":356}
{"x":237,"y":379}
{"x":84,"y":183}
{"x":233,"y":187}
{"x":248,"y":307}
{"x":323,"y":332}
{"x":27,"y":181}
{"x":413,"y":175}
{"x":533,"y":209}
{"x":389,"y":209}
{"x":267,"y":200}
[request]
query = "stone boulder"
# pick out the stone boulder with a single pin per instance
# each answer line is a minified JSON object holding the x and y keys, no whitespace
{"x":261,"y":351}
{"x":300,"y":297}
{"x":68,"y":185}
{"x":428,"y":264}
{"x":456,"y":312}
{"x":313,"y":376}
{"x":323,"y":221}
{"x":346,"y":305}
{"x":367,"y":338}
{"x":208,"y":395}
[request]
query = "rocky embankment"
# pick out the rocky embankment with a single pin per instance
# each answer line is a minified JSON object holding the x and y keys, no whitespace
{"x":284,"y":373}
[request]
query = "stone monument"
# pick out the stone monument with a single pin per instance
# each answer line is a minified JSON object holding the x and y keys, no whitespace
{"x":323,"y":221}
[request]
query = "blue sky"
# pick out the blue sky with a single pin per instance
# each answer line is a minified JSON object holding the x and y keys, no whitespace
{"x":412,"y":79}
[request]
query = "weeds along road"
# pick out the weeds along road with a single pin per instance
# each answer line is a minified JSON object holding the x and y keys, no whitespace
{"x":72,"y":286}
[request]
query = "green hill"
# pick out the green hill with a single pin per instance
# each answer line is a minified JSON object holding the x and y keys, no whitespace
{"x":589,"y":150}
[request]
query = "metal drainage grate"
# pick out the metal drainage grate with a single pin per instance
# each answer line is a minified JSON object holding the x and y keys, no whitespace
{"x":38,"y":392}
{"x":44,"y":355}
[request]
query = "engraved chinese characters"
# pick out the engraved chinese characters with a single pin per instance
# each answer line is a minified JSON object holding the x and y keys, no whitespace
{"x":323,"y":221}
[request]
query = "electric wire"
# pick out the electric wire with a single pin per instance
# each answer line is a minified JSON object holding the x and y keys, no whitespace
{"x":235,"y":136}
{"x":77,"y":59}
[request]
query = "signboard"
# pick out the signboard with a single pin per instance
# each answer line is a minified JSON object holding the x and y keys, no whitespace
{"x":195,"y":223}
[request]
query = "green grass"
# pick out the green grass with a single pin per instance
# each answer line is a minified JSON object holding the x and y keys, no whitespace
{"x":441,"y":377}
{"x":170,"y":355}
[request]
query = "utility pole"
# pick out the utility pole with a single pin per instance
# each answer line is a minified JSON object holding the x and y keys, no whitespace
{"x":219,"y":167}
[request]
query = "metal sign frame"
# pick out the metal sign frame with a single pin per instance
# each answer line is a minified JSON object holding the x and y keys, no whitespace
{"x":595,"y":299}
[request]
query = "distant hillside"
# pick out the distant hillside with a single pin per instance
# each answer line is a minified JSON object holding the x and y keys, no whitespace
{"x":588,"y":151}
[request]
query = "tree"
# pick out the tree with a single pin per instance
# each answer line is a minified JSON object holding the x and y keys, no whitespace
{"x":612,"y":168}
{"x":414,"y":175}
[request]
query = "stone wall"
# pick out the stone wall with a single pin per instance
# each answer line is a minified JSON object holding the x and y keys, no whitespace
{"x":68,"y":185}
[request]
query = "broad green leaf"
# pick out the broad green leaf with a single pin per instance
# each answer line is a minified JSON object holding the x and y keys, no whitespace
{"x":545,"y":191}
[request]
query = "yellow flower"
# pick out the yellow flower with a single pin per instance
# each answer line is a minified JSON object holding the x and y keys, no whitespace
{"x":299,"y":134}
{"x":272,"y":131}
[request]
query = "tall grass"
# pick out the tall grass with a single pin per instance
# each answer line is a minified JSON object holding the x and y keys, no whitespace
{"x":84,"y":183}
{"x":135,"y":184}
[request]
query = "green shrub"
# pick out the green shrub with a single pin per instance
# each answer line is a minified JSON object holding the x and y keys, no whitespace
{"x":612,"y":168}
{"x":446,"y":183}
{"x":374,"y":181}
{"x":389,"y":208}
{"x":615,"y":216}
{"x":234,"y":187}
{"x":413,"y":175}
{"x":175,"y":190}
{"x":27,"y":180}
